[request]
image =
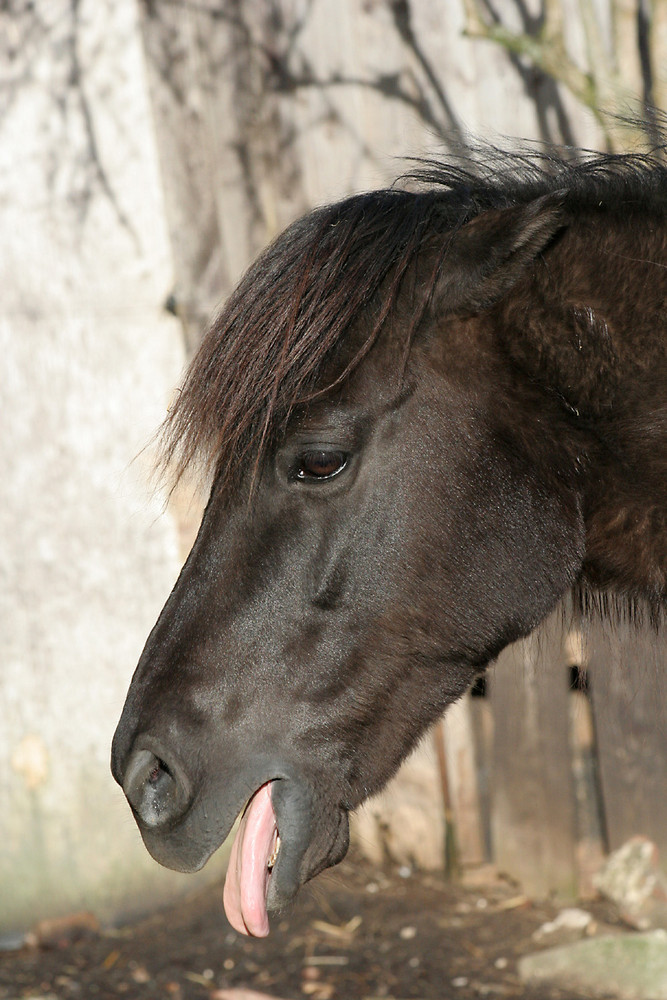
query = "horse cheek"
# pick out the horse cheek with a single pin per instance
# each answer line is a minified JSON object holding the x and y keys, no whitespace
{"x":533,"y":553}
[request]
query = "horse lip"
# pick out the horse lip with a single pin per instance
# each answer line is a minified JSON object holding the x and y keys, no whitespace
{"x":188,"y":843}
{"x":179,"y":848}
{"x":300,"y":856}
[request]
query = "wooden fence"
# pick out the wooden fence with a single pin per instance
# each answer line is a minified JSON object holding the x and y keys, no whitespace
{"x":562,"y":755}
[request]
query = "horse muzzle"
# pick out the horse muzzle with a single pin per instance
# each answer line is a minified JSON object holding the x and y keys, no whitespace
{"x":183,"y":818}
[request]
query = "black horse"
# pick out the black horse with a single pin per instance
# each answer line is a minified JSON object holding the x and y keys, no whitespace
{"x":426,"y":414}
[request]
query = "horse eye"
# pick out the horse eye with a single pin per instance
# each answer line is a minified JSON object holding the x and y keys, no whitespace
{"x":321,"y":464}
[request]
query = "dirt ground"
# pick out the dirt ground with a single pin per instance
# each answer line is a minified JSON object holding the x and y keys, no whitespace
{"x":356,"y":934}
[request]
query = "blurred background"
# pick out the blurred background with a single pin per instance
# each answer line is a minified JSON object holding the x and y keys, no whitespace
{"x":148,"y":150}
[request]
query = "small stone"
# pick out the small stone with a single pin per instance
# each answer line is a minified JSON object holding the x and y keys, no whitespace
{"x":632,"y":879}
{"x":628,"y":966}
{"x":15,"y":941}
{"x":570,"y":924}
{"x":501,"y":963}
{"x":60,"y":932}
{"x":140,"y":974}
{"x":460,"y":981}
{"x":408,"y":933}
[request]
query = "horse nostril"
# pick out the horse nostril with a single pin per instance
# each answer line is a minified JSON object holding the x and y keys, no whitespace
{"x":159,"y":768}
{"x":158,"y":792}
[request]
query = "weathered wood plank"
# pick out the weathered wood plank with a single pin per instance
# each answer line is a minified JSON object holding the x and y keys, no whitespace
{"x":590,"y":847}
{"x":456,"y":736}
{"x":533,"y":821}
{"x":629,"y":696}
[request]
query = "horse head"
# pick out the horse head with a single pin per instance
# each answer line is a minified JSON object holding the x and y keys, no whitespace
{"x":395,"y":497}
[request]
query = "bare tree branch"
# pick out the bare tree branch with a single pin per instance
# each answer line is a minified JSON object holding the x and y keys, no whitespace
{"x":25,"y":29}
{"x":94,"y":158}
{"x":401,"y":13}
{"x":601,"y":87}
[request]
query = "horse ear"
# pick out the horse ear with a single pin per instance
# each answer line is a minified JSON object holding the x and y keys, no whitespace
{"x":488,"y":255}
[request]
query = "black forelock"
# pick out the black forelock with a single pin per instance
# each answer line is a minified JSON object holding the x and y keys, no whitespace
{"x":265,"y":350}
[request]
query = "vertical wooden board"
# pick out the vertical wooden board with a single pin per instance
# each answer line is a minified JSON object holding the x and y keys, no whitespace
{"x":590,"y":848}
{"x":533,"y":818}
{"x":456,"y":736}
{"x":481,"y":713}
{"x":629,"y":696}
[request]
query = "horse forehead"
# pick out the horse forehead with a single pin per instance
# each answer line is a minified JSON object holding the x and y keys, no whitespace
{"x":375,"y":384}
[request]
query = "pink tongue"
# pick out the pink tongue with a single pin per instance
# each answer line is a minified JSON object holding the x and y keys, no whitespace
{"x":248,"y":874}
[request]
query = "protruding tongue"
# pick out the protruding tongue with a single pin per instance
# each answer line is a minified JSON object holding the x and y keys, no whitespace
{"x":248,"y":873}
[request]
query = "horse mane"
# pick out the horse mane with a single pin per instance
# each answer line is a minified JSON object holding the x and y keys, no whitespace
{"x":288,"y":316}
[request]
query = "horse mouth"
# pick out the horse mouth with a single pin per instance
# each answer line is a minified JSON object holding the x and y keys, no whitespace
{"x":266,"y":867}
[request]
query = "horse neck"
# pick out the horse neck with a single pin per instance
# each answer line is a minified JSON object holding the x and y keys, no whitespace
{"x":625,"y":283}
{"x":598,"y":338}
